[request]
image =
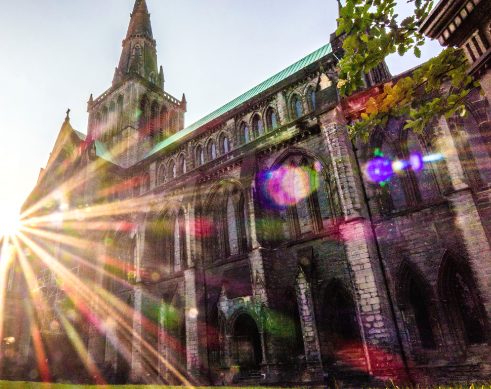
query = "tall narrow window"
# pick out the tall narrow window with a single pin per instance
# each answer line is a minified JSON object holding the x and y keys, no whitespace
{"x":162,"y":174}
{"x":223,"y":144}
{"x":421,"y":316}
{"x":231,"y":218}
{"x":428,"y":189}
{"x":182,"y":165}
{"x":212,"y":150}
{"x":271,"y":119}
{"x":312,"y":98}
{"x":164,"y":131}
{"x":112,"y":118}
{"x":463,"y":302}
{"x":296,"y":107}
{"x":172,"y":170}
{"x":200,"y":156}
{"x":245,"y":132}
{"x":143,"y":116}
{"x":479,"y":149}
{"x":258,"y":125}
{"x":394,"y":184}
{"x":120,"y":113}
{"x":154,"y":121}
{"x":182,"y":239}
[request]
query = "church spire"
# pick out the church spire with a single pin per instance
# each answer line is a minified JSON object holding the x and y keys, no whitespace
{"x":140,"y":21}
{"x":139,"y":55}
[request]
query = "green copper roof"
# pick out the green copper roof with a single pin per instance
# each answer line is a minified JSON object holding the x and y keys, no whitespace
{"x":308,"y":60}
{"x":81,"y":135}
{"x":102,"y":152}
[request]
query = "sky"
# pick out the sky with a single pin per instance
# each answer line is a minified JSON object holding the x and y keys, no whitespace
{"x":55,"y":53}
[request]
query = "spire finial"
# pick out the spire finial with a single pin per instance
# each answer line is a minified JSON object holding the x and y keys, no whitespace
{"x":67,"y":119}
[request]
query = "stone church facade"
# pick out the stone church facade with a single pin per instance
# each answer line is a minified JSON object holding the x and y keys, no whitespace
{"x":252,"y":248}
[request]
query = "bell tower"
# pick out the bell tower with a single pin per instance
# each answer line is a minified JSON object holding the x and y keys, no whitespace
{"x":135,"y":113}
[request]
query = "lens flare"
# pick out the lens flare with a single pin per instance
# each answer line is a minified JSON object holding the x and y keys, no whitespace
{"x":288,"y":185}
{"x":381,"y":169}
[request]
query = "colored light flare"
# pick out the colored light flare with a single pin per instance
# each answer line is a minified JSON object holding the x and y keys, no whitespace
{"x":382,"y":169}
{"x":287,"y":185}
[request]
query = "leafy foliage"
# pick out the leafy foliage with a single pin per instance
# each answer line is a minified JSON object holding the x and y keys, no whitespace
{"x":372,"y":32}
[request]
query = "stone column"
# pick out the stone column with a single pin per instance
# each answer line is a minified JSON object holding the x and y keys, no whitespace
{"x":191,"y":312}
{"x":309,"y":329}
{"x":136,"y":359}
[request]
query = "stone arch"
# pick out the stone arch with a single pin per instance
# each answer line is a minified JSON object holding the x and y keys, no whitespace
{"x":245,"y":135}
{"x":271,"y":118}
{"x":171,"y":169}
{"x":462,"y":301}
{"x":199,"y":155}
{"x":224,"y":218}
{"x":312,"y":200}
{"x":161,"y":173}
{"x":296,"y":106}
{"x":223,"y":142}
{"x":246,"y":342}
{"x":257,"y":125}
{"x":211,"y":149}
{"x":414,"y":297}
{"x":340,"y":326}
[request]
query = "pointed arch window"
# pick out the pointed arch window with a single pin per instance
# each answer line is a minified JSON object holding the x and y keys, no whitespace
{"x":200,"y":156}
{"x":296,"y":198}
{"x":182,"y":240}
{"x":226,"y":223}
{"x":212,"y":150}
{"x":271,"y":119}
{"x":162,"y":174}
{"x":172,"y":170}
{"x":223,"y":144}
{"x":339,"y":325}
{"x":245,"y":133}
{"x":413,"y":184}
{"x":414,"y":301}
{"x":182,"y":165}
{"x":312,"y":98}
{"x":144,"y":116}
{"x":257,"y":125}
{"x":474,"y":146}
{"x":296,"y":107}
{"x":154,"y":121}
{"x":462,"y":300}
{"x":164,"y":130}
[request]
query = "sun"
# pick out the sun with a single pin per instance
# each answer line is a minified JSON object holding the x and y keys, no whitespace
{"x":9,"y":221}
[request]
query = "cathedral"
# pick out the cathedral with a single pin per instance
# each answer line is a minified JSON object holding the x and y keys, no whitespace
{"x":257,"y":246}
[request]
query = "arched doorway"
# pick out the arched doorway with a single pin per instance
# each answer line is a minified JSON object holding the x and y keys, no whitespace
{"x":246,"y":343}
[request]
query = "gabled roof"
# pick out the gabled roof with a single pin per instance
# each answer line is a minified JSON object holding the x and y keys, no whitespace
{"x":299,"y":65}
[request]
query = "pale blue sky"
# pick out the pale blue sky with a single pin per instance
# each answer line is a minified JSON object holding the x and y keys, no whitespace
{"x":55,"y":53}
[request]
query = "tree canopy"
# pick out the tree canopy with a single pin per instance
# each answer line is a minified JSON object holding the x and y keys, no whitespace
{"x":371,"y":30}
